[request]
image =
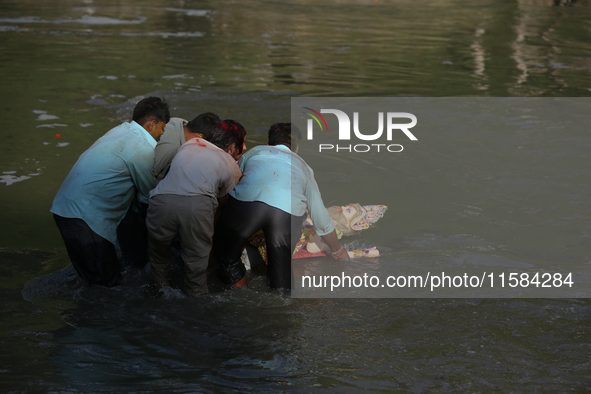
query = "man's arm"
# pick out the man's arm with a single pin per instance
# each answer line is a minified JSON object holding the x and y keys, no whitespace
{"x":337,"y":250}
{"x":141,"y":170}
{"x":322,"y":221}
{"x":163,"y":155}
{"x":233,"y":175}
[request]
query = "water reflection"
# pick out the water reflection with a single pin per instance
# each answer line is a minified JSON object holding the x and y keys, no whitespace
{"x":357,"y":48}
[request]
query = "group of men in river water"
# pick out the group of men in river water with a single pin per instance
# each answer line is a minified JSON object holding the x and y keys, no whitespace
{"x":152,"y":182}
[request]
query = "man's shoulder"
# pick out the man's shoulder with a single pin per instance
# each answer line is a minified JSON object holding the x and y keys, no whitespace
{"x":129,"y":132}
{"x":131,"y":140}
{"x":200,"y":149}
{"x":172,"y":132}
{"x":257,"y":150}
{"x":268,"y":150}
{"x":176,"y":124}
{"x":124,"y":127}
{"x":115,"y":137}
{"x":199,"y":143}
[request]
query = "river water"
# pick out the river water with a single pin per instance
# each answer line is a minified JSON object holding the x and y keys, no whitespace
{"x":74,"y":69}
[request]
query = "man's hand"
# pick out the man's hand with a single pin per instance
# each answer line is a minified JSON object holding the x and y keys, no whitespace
{"x":341,"y":254}
{"x":336,"y":249}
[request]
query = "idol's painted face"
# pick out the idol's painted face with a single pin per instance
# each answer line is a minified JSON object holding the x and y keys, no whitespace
{"x":350,"y":212}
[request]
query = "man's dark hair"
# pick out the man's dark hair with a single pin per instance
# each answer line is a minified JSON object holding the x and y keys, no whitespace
{"x":149,"y":109}
{"x":229,"y":132}
{"x":204,"y":124}
{"x":284,"y":134}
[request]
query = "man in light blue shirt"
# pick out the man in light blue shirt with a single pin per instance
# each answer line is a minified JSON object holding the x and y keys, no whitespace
{"x":276,"y":188}
{"x":99,"y":189}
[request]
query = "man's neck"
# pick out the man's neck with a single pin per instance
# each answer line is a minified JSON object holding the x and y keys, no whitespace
{"x":189,"y":134}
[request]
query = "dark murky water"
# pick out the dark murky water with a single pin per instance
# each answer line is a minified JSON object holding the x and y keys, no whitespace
{"x":73,"y":69}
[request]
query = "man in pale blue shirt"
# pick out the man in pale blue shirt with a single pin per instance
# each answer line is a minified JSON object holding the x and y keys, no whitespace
{"x":132,"y":234}
{"x":276,"y":188}
{"x":100,"y":187}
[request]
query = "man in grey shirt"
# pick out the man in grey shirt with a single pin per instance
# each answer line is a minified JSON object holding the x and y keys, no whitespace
{"x":176,"y":133}
{"x":184,"y":204}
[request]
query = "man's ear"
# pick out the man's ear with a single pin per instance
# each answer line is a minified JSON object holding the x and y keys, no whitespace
{"x":149,"y":126}
{"x":231,"y":149}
